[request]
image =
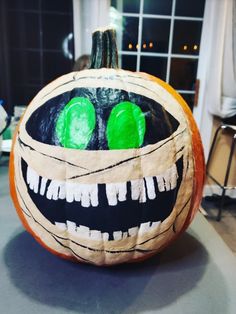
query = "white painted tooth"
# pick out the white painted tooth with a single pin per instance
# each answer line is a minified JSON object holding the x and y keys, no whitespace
{"x":61,"y":225}
{"x":62,"y":191}
{"x":142,"y":198}
{"x":173,"y":183}
{"x":49,"y":191}
{"x":36,"y":183}
{"x":82,"y":228}
{"x":117,"y":235}
{"x":81,"y":193}
{"x":170,"y":178}
{"x":155,"y":224}
{"x":138,"y":191}
{"x":135,"y":189}
{"x":43,"y":186}
{"x":167,"y":179}
{"x":122,"y":191}
{"x":116,"y":191}
{"x":53,"y":190}
{"x":78,"y":192}
{"x":111,"y":194}
{"x":87,"y":194}
{"x":160,"y":183}
{"x":32,"y":179}
{"x":94,"y":195}
{"x":69,"y":192}
{"x":144,"y":227}
{"x":150,"y":188}
{"x":73,"y":194}
{"x":133,"y":231}
{"x":83,"y":231}
{"x":95,"y":234}
{"x":78,"y":195}
{"x":71,"y":226}
{"x":31,"y":184}
{"x":124,"y":235}
{"x":167,"y":184}
{"x":105,"y":236}
{"x":174,"y":177}
{"x":69,"y":196}
{"x":85,"y":198}
{"x":28,"y":174}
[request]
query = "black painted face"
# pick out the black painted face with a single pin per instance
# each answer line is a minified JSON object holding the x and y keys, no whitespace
{"x":112,"y":119}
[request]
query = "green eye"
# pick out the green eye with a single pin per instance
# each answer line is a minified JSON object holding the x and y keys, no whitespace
{"x":75,"y":124}
{"x":126,"y":126}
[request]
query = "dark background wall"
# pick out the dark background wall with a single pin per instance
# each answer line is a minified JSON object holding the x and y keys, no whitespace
{"x":31,"y":46}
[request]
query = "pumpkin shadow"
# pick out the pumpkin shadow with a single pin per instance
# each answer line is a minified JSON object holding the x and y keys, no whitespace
{"x":83,"y":288}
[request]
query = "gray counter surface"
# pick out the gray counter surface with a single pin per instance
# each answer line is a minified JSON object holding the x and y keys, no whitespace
{"x":196,"y":274}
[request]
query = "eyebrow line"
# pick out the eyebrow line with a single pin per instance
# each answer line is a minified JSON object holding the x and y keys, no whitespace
{"x":97,"y":78}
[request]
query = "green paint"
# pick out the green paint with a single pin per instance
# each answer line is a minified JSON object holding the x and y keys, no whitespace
{"x":76,"y":122}
{"x":126,"y":126}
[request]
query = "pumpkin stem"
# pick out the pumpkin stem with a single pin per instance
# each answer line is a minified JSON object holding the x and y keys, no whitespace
{"x":104,"y":50}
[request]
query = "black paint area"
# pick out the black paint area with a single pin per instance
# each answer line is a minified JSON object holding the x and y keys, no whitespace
{"x":159,"y":123}
{"x":107,"y":218}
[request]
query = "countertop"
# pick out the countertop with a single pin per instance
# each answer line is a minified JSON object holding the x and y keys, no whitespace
{"x":196,"y":274}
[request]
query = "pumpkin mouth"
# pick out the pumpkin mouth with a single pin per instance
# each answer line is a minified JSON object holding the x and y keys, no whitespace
{"x":109,"y":211}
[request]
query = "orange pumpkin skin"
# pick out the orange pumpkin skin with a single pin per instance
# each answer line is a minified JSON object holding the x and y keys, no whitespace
{"x":103,"y":256}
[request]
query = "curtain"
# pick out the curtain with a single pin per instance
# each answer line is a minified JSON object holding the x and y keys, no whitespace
{"x":221,"y":79}
{"x":88,"y":16}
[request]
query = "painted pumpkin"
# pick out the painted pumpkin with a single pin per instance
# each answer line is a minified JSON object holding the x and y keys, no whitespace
{"x":107,"y":165}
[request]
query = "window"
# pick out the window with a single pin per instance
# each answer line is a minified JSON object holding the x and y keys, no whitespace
{"x":162,"y":38}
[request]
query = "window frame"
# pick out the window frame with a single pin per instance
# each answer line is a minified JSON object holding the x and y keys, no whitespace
{"x":169,"y":55}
